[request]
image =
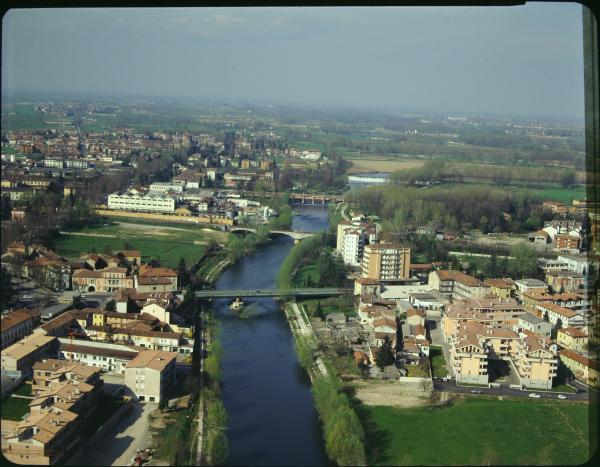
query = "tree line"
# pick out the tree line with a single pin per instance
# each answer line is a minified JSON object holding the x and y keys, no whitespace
{"x":452,"y":208}
{"x":438,"y":171}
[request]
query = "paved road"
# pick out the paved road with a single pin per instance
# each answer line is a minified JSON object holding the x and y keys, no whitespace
{"x":451,"y":386}
{"x":127,"y":436}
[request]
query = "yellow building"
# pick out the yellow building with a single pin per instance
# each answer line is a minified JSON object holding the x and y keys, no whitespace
{"x":502,"y":288}
{"x":584,"y":368}
{"x":572,"y":338}
{"x":386,"y":262}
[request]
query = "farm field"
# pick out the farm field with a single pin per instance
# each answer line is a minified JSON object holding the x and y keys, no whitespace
{"x":168,"y":244}
{"x":563,"y":195}
{"x":479,"y":432}
{"x":382,"y":165}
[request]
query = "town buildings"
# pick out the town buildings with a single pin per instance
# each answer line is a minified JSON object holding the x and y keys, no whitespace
{"x":386,"y":262}
{"x":151,"y":374}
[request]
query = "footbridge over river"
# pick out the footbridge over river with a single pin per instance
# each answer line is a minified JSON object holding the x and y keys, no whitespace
{"x":294,"y":234}
{"x":241,"y":293}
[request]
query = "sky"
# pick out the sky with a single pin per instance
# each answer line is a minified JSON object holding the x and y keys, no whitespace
{"x":519,"y":60}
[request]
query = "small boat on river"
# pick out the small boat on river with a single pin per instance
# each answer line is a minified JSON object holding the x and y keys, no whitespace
{"x":237,"y":305}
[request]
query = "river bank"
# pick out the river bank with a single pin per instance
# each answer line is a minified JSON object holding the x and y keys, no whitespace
{"x":263,"y":388}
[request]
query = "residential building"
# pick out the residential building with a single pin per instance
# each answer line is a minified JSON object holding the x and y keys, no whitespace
{"x":16,"y":325}
{"x":567,"y":281}
{"x":567,"y":242}
{"x":352,"y":236}
{"x":44,"y":438}
{"x":386,"y":262}
{"x":151,"y":374}
{"x":532,"y":323}
{"x":457,"y":285}
{"x":21,"y":356}
{"x":573,"y":339}
{"x":528,"y":285}
{"x":112,"y":358}
{"x":160,"y":276}
{"x":502,"y":288}
{"x":560,"y":316}
{"x":578,"y":263}
{"x":585,"y":369}
{"x":108,"y":279}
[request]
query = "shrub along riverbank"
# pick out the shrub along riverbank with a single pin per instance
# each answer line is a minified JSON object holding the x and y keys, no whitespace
{"x":215,"y":445}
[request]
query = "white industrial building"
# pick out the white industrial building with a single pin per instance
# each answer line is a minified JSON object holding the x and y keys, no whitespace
{"x":137,"y":202}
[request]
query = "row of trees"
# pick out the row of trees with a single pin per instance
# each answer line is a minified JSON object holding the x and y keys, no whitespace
{"x":342,"y":430}
{"x":438,"y":170}
{"x":217,"y":446}
{"x":453,"y":208}
{"x":245,"y":244}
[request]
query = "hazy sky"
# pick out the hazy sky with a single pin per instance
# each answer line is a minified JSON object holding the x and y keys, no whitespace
{"x":505,"y":60}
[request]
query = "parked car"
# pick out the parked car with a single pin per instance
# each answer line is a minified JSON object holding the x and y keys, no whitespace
{"x":562,"y":396}
{"x":534,"y":395}
{"x":476,"y":391}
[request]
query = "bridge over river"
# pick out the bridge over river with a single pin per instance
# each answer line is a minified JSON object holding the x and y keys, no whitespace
{"x":297,"y":235}
{"x":308,"y":292}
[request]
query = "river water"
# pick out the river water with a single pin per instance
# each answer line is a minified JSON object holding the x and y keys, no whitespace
{"x":272,"y":420}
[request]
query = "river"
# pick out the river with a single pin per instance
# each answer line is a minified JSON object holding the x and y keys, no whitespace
{"x":272,"y":420}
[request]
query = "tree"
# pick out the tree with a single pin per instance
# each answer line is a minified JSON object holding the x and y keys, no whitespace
{"x":567,"y":178}
{"x":184,"y":278}
{"x":525,"y":259}
{"x":319,"y":311}
{"x":385,"y":355}
{"x":546,"y":317}
{"x":6,"y":287}
{"x":111,"y":305}
{"x":491,"y":266}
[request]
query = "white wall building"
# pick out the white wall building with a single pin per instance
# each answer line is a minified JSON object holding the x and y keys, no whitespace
{"x":163,"y":187}
{"x":137,"y":202}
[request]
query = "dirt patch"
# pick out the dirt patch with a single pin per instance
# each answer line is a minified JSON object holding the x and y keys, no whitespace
{"x":382,"y":165}
{"x":158,"y":424}
{"x":391,"y":393}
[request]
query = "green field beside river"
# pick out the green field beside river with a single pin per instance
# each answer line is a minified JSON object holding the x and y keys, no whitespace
{"x":480,"y":431}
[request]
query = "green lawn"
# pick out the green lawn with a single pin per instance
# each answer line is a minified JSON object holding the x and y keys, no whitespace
{"x":479,"y":431}
{"x":307,"y":274}
{"x":562,"y":195}
{"x":168,"y":244}
{"x":13,"y":408}
{"x":23,"y":390}
{"x":328,"y":305}
{"x":438,"y":362}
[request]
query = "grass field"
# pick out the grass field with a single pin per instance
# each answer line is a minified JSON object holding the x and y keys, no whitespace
{"x":166,"y":243}
{"x":13,"y":408}
{"x":329,"y":305}
{"x":479,"y":432}
{"x":562,"y":195}
{"x":438,"y":362}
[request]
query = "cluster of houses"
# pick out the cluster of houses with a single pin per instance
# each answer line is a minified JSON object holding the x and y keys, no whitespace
{"x":563,"y":235}
{"x":139,"y":337}
{"x":533,"y":326}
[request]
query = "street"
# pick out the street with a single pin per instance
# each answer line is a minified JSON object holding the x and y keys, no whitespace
{"x":451,"y":386}
{"x":128,"y":435}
